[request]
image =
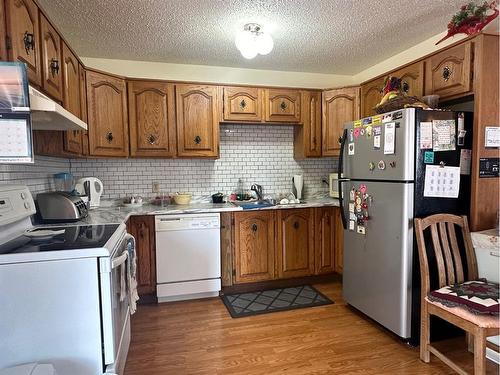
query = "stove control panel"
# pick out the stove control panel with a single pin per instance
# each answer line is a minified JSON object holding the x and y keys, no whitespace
{"x":16,"y":203}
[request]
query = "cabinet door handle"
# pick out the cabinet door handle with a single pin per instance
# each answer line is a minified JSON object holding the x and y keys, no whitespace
{"x":54,"y":67}
{"x":339,"y":140}
{"x":446,"y":74}
{"x":109,"y":137}
{"x":296,"y":225}
{"x":283,"y":106}
{"x":243,"y":104}
{"x":405,"y":87}
{"x":29,"y":42}
{"x":152,"y":139}
{"x":197,"y":139}
{"x":254,"y":227}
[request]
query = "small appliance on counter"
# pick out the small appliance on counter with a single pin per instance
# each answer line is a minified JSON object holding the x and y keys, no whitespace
{"x":64,"y":181}
{"x":59,"y":207}
{"x":92,"y":188}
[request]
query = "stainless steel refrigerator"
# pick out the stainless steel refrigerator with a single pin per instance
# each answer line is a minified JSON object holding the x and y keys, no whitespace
{"x":381,"y":180}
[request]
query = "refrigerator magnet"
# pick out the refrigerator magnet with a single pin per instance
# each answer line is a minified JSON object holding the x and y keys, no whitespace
{"x":361,"y":229}
{"x":376,"y":142}
{"x":368,"y":131}
{"x":357,"y":132}
{"x":351,"y":207}
{"x":351,"y":224}
{"x":357,"y":124}
{"x":351,"y":135}
{"x":352,"y":194}
{"x":429,"y":157}
{"x":362,"y":188}
{"x":377,"y":130}
{"x":350,"y":148}
{"x":376,"y":119}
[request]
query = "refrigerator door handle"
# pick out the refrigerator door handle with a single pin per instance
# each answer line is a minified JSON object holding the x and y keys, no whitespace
{"x":341,"y":156}
{"x":341,"y":203}
{"x":339,"y":179}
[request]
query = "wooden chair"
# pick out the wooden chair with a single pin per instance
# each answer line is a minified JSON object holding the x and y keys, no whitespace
{"x":450,"y":271}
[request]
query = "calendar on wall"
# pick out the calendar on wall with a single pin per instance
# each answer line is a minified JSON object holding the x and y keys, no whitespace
{"x":16,"y":139}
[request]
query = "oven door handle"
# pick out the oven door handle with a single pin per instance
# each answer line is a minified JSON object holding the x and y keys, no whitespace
{"x":119,"y":260}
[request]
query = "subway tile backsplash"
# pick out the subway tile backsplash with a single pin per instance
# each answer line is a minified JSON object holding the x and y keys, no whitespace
{"x":260,"y":154}
{"x":38,"y":176}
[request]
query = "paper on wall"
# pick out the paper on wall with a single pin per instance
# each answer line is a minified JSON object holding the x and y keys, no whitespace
{"x":441,"y":182}
{"x":389,"y":138}
{"x":492,"y":136}
{"x":425,"y":135}
{"x":443,"y":135}
{"x":465,"y":161}
{"x":15,"y":140}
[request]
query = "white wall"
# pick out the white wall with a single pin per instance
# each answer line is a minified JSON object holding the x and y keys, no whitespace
{"x":261,"y":154}
{"x":216,"y":74}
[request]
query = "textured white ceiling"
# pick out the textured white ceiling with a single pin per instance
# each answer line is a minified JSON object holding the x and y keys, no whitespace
{"x":324,"y":36}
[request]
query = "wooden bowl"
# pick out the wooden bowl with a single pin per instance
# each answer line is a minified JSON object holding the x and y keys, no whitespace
{"x":182,"y":198}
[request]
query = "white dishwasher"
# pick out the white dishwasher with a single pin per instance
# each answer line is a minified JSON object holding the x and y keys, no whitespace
{"x":187,"y":256}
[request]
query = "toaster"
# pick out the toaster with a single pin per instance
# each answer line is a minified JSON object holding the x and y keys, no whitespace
{"x":59,"y":206}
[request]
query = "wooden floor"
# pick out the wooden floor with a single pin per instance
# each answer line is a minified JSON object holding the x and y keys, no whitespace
{"x":199,"y":337}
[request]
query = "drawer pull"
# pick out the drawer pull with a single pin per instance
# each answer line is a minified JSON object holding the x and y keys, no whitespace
{"x":243,"y":104}
{"x":254,"y":227}
{"x":296,"y":225}
{"x":152,"y":139}
{"x":405,"y":87}
{"x":495,"y":254}
{"x":283,"y":106}
{"x":197,"y":139}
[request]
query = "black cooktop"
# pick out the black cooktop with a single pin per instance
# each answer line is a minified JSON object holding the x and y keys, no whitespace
{"x":72,"y":237}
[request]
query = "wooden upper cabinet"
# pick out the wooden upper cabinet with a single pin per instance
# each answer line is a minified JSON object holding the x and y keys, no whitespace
{"x":307,"y":138}
{"x":324,"y":240}
{"x":107,"y":115}
{"x":52,"y":81}
{"x":282,"y":105}
{"x":198,"y":117}
{"x":3,"y":33}
{"x":253,"y":246}
{"x":83,"y":109}
{"x":295,"y":257}
{"x":371,"y":95}
{"x":143,"y":230}
{"x":151,"y":108}
{"x":339,"y":106}
{"x":71,"y":97}
{"x":243,"y":104}
{"x":412,"y":79}
{"x":449,"y":73}
{"x":23,"y":32}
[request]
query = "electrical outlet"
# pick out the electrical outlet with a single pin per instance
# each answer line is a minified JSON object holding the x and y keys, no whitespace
{"x":155,"y":188}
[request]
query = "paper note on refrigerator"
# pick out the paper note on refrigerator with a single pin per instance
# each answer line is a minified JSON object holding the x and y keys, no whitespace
{"x":441,"y":182}
{"x":425,"y":135}
{"x":389,"y":138}
{"x":443,"y":135}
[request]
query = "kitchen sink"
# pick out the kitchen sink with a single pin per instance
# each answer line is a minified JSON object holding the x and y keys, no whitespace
{"x":252,"y":205}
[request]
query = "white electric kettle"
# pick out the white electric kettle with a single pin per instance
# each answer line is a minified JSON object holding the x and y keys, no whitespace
{"x":93,"y":188}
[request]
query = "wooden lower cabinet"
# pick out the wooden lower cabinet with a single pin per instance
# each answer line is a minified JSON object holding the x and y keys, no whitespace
{"x":308,"y":242}
{"x":295,"y":245}
{"x":143,"y":230}
{"x":253,"y":246}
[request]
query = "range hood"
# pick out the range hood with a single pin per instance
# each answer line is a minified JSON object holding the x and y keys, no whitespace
{"x":46,"y":114}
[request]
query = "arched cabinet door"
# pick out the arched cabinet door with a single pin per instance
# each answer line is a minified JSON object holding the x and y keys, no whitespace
{"x":282,"y":105}
{"x":295,"y":246}
{"x":339,"y":106}
{"x":107,"y":115}
{"x":52,"y":74}
{"x":449,"y":73}
{"x":23,"y":31}
{"x":71,"y":98}
{"x":151,"y":119}
{"x":243,"y":104}
{"x":253,"y":246}
{"x":198,"y":117}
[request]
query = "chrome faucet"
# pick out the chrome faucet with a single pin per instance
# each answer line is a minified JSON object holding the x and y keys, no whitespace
{"x":258,"y":190}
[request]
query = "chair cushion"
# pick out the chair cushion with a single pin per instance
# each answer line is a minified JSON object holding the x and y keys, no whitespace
{"x":478,"y":297}
{"x":481,"y":320}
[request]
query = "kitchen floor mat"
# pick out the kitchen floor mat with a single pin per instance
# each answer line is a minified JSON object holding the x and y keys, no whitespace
{"x":267,"y":301}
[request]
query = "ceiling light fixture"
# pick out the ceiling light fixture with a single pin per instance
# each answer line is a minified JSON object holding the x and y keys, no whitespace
{"x":252,"y":41}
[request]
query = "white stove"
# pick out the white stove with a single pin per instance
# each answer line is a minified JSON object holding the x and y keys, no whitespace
{"x":62,"y":289}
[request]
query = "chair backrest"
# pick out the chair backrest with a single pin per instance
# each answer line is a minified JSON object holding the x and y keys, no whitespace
{"x":446,"y":249}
